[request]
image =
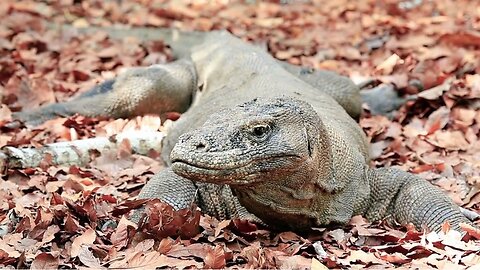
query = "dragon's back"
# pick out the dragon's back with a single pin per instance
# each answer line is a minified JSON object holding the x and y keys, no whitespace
{"x":232,"y":72}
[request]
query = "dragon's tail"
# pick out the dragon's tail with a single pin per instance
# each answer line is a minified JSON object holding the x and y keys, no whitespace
{"x":180,"y":41}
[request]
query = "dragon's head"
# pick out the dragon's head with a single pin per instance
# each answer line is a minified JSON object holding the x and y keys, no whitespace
{"x":253,"y":142}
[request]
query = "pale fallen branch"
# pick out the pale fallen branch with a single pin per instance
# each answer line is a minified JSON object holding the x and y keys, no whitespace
{"x":79,"y":152}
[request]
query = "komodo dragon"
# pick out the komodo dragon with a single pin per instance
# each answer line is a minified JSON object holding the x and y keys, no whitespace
{"x":260,"y":137}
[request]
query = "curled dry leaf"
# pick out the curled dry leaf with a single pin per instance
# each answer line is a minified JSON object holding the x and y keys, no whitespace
{"x":164,"y":221}
{"x":5,"y":115}
{"x":462,"y":39}
{"x":389,"y":64}
{"x":88,"y":259}
{"x":245,"y":226}
{"x":71,"y":224}
{"x":437,"y":91}
{"x":215,"y":258}
{"x":437,"y":120}
{"x":123,"y":233}
{"x":473,"y":82}
{"x":145,"y":245}
{"x":87,"y":238}
{"x":395,"y":258}
{"x":45,"y":261}
{"x":472,"y":231}
{"x":196,"y":250}
{"x":153,"y":260}
{"x":450,"y":140}
{"x":294,"y":262}
{"x":316,"y":265}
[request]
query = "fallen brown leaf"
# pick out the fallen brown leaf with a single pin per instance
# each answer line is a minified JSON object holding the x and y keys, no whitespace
{"x":87,"y":238}
{"x":462,"y":39}
{"x":45,"y":261}
{"x":215,"y":258}
{"x":88,"y":259}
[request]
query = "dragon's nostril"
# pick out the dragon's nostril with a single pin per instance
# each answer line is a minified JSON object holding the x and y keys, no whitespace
{"x":200,"y":146}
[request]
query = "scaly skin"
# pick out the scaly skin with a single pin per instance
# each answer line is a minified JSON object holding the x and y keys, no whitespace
{"x":282,"y":138}
{"x":299,"y":172}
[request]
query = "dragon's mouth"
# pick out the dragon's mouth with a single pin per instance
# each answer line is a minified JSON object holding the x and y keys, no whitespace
{"x":250,"y":171}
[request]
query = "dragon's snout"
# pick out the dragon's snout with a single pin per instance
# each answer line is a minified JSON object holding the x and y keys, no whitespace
{"x":196,"y":143}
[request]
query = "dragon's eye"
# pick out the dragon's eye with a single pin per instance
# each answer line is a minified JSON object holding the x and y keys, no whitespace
{"x":261,"y":131}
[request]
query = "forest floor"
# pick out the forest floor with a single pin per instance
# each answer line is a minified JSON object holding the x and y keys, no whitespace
{"x":66,"y":217}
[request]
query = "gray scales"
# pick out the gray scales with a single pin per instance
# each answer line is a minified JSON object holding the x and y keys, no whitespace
{"x":259,"y":139}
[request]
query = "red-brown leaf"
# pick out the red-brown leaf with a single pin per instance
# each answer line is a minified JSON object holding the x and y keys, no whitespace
{"x":215,"y":258}
{"x":45,"y":261}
